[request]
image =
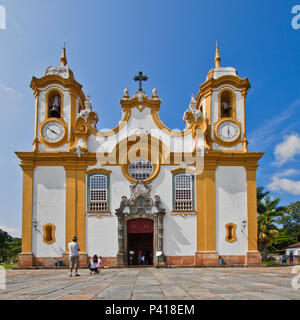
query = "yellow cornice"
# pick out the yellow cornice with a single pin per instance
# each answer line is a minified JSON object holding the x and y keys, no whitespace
{"x":140,"y":105}
{"x":70,"y":83}
{"x":235,"y":81}
{"x":70,"y":161}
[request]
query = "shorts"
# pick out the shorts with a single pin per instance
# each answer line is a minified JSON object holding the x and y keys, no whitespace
{"x":74,"y":261}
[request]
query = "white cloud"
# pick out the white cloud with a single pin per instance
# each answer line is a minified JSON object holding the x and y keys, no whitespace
{"x":10,"y":90}
{"x":287,"y":173}
{"x":288,"y":149}
{"x":265,"y":135}
{"x":284,"y":184}
{"x":11,"y":231}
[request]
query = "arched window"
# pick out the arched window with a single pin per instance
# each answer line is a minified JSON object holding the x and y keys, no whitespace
{"x":227,"y":104}
{"x":98,"y":193}
{"x":183,"y":192}
{"x":54,"y":105}
{"x":140,"y":169}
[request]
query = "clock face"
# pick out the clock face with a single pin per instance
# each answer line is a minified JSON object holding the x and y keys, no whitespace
{"x":53,"y":131}
{"x":228,"y":131}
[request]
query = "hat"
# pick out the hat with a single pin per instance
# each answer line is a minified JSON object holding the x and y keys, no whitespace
{"x":74,"y":238}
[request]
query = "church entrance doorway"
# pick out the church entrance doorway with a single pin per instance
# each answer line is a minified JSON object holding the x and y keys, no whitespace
{"x":140,"y":242}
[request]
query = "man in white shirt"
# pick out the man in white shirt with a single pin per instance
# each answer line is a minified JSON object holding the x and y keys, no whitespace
{"x":74,"y":256}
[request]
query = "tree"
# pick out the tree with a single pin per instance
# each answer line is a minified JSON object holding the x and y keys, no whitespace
{"x":268,"y":213}
{"x":9,"y":247}
{"x":290,"y":221}
{"x":5,"y":238}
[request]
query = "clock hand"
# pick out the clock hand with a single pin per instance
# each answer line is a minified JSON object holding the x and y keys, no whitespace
{"x":53,"y":131}
{"x":228,"y":131}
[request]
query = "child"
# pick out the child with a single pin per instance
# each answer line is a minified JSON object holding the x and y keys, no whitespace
{"x":93,"y":265}
{"x":99,"y":264}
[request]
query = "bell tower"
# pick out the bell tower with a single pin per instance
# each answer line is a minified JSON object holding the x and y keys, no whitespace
{"x":222,"y":97}
{"x":58,"y":100}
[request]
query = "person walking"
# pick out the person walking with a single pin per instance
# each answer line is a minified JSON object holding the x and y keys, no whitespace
{"x":74,"y":256}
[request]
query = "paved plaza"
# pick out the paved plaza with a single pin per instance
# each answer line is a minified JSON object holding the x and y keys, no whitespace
{"x":263,"y":283}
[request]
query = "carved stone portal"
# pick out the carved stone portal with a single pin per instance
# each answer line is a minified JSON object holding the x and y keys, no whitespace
{"x":140,"y":205}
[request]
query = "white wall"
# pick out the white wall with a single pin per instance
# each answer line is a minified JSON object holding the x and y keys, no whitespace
{"x":102,"y":233}
{"x":231,"y":207}
{"x":296,"y":251}
{"x":49,"y":193}
{"x":179,"y":232}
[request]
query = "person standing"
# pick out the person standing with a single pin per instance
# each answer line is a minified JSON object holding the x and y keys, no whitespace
{"x":291,"y":257}
{"x":74,"y":256}
{"x":283,"y":261}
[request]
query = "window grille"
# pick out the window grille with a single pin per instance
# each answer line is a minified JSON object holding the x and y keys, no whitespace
{"x":183,"y":193}
{"x":140,"y":169}
{"x":98,"y":200}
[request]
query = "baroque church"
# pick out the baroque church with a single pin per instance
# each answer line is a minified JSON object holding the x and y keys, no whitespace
{"x":179,"y":198}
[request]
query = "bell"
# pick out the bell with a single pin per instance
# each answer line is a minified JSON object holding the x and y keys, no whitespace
{"x":55,"y":112}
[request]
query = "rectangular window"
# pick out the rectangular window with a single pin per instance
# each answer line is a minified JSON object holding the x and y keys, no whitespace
{"x":98,"y":193}
{"x":183,"y":196}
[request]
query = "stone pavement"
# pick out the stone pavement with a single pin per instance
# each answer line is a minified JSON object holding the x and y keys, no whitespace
{"x":264,"y":283}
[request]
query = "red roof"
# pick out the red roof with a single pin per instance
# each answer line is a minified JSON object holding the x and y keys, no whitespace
{"x":295,"y":245}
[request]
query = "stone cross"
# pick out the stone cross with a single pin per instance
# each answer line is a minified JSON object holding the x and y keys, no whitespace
{"x":140,"y":78}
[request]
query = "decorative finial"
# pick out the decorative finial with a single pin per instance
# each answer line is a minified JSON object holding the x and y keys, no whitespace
{"x":217,"y":58}
{"x":154,"y":94}
{"x":63,"y":58}
{"x":126,"y":94}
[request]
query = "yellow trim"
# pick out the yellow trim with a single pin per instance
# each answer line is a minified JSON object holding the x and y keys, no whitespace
{"x":52,"y":233}
{"x":235,"y":81}
{"x":99,"y":215}
{"x":218,"y":139}
{"x":59,"y":143}
{"x":145,"y":147}
{"x":70,"y":205}
{"x":183,"y":213}
{"x":68,"y":83}
{"x":251,"y":207}
{"x":27,"y":207}
{"x":121,"y":125}
{"x":165,"y":129}
{"x":101,"y":170}
{"x":80,"y":210}
{"x":244,"y":140}
{"x":36,"y":141}
{"x":206,"y":211}
{"x":48,"y":94}
{"x":233,"y":230}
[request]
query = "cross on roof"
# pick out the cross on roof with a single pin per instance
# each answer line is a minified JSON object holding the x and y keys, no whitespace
{"x":140,"y":78}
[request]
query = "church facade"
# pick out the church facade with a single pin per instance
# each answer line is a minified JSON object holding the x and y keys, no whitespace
{"x":141,"y":189}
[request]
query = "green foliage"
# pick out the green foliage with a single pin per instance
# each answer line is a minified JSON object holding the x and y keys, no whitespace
{"x":9,"y":246}
{"x":278,"y":227}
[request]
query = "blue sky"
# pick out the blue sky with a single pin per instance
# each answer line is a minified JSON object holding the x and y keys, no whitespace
{"x":173,"y":42}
